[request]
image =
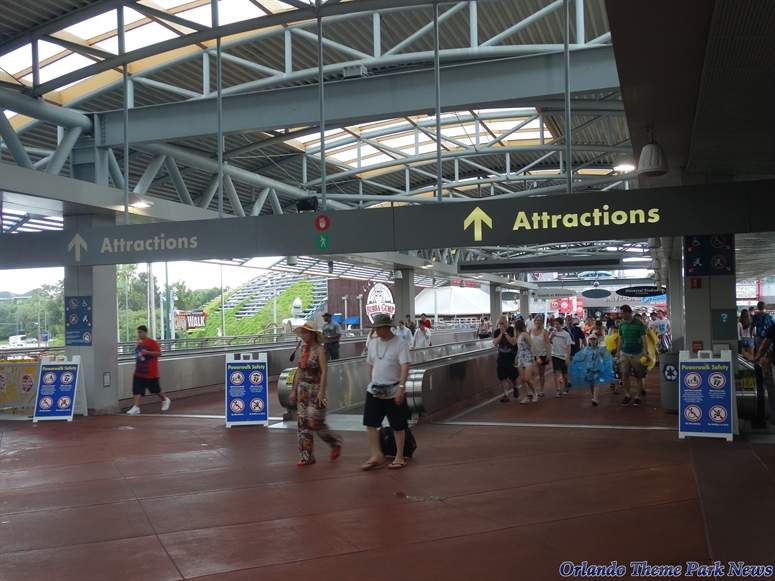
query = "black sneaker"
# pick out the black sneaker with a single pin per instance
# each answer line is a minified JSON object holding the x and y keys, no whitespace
{"x":636,"y":402}
{"x":626,"y":400}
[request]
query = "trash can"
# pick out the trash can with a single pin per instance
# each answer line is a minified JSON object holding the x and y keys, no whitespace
{"x":668,"y":381}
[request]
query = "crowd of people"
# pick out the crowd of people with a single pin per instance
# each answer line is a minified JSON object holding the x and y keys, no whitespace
{"x":598,"y":353}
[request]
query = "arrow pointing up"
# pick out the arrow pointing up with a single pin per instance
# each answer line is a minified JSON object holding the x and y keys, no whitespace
{"x":78,"y":243}
{"x":476,"y":218}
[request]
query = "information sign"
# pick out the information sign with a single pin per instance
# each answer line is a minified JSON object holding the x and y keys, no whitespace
{"x":247,"y":400}
{"x":706,"y":395}
{"x":58,"y":389}
{"x":78,"y":322}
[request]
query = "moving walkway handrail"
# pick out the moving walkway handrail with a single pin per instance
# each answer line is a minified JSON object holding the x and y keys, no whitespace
{"x":759,"y":420}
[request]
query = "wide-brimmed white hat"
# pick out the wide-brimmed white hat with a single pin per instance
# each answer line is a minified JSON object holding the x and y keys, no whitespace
{"x":310,"y":326}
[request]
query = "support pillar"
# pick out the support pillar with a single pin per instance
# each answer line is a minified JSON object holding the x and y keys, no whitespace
{"x":675,"y":301}
{"x":524,"y":304}
{"x":101,"y":358}
{"x":703,"y":295}
{"x":496,"y":306}
{"x":99,"y":362}
{"x":403,"y":293}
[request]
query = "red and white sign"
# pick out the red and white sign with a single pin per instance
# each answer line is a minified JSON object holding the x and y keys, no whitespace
{"x":256,"y":377}
{"x":237,"y":378}
{"x":380,"y":300}
{"x":696,"y":346}
{"x":717,"y":380}
{"x":692,"y":380}
{"x":718,"y":413}
{"x":256,"y":405}
{"x":64,"y":402}
{"x":49,"y":378}
{"x":693,"y":413}
{"x":322,"y":222}
{"x":46,"y":402}
{"x":237,"y":405}
{"x":28,"y":382}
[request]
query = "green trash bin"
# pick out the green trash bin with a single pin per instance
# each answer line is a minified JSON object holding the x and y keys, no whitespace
{"x":668,"y":381}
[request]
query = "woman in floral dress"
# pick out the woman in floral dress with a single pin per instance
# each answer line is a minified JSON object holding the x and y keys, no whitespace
{"x":309,"y":395}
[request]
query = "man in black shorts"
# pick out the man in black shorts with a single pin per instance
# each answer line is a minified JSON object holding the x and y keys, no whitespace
{"x":146,"y":377}
{"x":505,"y":340}
{"x":388,"y":358}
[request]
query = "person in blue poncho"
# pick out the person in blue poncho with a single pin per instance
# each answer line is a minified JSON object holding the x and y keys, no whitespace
{"x":592,"y":366}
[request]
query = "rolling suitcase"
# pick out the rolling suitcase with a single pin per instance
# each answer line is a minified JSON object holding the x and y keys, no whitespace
{"x":387,"y":443}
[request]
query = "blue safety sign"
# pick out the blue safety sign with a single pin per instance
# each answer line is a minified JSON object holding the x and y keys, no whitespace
{"x":705,"y":397}
{"x":78,"y":321}
{"x":247,"y":390}
{"x":57,"y":386}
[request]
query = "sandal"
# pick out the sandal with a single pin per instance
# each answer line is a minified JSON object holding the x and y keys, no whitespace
{"x":370,"y":465}
{"x":396,"y":465}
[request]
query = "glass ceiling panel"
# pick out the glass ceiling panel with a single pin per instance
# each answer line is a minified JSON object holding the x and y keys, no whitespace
{"x":96,"y":26}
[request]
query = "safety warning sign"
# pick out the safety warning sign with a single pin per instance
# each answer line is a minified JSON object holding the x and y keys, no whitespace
{"x":58,"y":389}
{"x":246,"y":389}
{"x":705,"y":395}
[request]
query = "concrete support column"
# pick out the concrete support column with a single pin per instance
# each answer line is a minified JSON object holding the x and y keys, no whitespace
{"x":99,"y":362}
{"x":496,"y":306}
{"x":403,"y":294}
{"x":101,"y":358}
{"x":675,"y":302}
{"x":524,"y":304}
{"x":703,"y":294}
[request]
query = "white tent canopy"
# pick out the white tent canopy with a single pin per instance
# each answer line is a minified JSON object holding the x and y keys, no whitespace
{"x":453,"y":301}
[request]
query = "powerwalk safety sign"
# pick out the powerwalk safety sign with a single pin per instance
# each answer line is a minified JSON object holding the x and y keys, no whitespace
{"x":706,"y":395}
{"x":60,"y":389}
{"x":247,"y":401}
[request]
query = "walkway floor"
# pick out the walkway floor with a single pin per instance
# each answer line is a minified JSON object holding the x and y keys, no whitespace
{"x":116,"y":497}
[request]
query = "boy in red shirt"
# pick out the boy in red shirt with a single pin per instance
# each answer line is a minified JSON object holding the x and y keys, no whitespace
{"x":146,"y":375}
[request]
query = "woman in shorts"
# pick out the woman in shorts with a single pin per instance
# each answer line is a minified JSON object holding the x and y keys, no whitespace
{"x":526,"y":361}
{"x":540,"y":338}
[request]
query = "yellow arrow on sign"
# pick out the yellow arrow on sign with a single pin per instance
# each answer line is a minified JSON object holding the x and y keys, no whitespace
{"x":476,"y":218}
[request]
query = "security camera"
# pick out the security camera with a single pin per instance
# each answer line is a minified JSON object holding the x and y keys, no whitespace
{"x":595,"y":284}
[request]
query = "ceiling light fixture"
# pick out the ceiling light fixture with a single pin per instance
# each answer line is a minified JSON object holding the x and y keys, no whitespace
{"x":653,"y":159}
{"x":428,"y":264}
{"x":624,"y":164}
{"x":139,"y":201}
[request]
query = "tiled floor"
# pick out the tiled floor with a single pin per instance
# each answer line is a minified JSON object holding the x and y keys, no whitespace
{"x":162,"y":498}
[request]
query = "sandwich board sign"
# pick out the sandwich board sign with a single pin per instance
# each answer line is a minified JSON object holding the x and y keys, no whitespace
{"x":706,"y":395}
{"x":60,"y":389}
{"x":247,"y":386}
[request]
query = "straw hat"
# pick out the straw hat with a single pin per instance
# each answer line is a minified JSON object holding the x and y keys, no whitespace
{"x":310,"y":326}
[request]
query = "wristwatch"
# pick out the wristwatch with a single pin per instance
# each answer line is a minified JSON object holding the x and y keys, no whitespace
{"x":401,"y":386}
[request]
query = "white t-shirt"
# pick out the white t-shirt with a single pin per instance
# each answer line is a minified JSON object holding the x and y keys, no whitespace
{"x":662,"y":326}
{"x":654,"y":325}
{"x":422,"y":338}
{"x":560,"y":342}
{"x":386,"y":358}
